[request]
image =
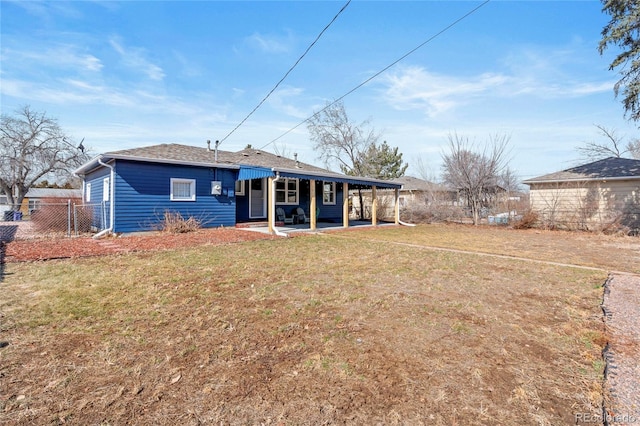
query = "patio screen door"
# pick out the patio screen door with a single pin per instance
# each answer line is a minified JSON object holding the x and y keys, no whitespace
{"x":257,"y":198}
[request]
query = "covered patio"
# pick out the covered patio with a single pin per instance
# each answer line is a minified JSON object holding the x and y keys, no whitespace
{"x":311,"y":194}
{"x":291,"y":229}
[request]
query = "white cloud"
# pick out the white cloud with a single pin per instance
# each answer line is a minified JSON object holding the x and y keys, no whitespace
{"x":188,"y":68}
{"x":416,"y":88}
{"x":269,"y":44}
{"x":134,"y":58}
{"x":280,"y":100}
{"x":61,"y":56}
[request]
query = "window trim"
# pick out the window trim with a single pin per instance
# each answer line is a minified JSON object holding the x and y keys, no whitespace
{"x":192,"y":189}
{"x":34,"y":204}
{"x":88,"y":192}
{"x":286,"y":191}
{"x":241,"y":184}
{"x":106,"y":189}
{"x":333,"y":192}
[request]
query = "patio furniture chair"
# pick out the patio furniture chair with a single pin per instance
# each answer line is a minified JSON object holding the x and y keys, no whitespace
{"x":299,"y":216}
{"x":282,"y":217}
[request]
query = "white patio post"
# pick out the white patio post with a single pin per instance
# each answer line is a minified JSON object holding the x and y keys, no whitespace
{"x":374,"y":206}
{"x":397,"y":207}
{"x":313,"y":208}
{"x":271,"y":206}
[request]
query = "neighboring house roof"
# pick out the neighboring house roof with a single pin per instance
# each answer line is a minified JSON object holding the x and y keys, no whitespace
{"x":246,"y":159}
{"x":410,"y":183}
{"x":53,"y":193}
{"x":607,"y":169}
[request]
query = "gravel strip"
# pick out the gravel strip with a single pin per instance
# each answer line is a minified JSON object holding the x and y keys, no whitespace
{"x":621,"y":306}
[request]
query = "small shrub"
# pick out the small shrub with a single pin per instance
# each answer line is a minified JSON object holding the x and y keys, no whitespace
{"x":420,"y":213}
{"x":528,"y":220}
{"x":174,"y":223}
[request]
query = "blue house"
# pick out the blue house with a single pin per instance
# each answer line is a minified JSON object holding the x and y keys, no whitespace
{"x":133,"y":189}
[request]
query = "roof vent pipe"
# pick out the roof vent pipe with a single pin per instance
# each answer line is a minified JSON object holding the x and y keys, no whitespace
{"x":208,"y":145}
{"x":295,"y":156}
{"x":216,"y":151}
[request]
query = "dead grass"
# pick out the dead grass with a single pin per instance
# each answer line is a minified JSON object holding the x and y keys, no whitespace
{"x":616,"y":253}
{"x":314,"y":329}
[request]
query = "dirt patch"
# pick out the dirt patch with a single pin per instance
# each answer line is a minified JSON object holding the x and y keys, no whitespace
{"x":63,"y":248}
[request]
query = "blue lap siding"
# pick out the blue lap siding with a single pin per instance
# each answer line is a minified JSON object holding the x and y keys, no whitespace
{"x":142,"y":195}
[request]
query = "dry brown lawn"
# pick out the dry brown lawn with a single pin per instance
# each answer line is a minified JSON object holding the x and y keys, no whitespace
{"x":357,"y":327}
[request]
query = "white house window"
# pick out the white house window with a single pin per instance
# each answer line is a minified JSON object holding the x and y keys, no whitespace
{"x":287,"y":191}
{"x":239,"y":187}
{"x":329,"y":193}
{"x":88,"y":194}
{"x":105,"y":189}
{"x":183,"y":189}
{"x":34,"y":205}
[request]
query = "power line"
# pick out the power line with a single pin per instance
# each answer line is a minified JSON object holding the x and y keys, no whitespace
{"x":445,"y":29}
{"x":288,"y":72}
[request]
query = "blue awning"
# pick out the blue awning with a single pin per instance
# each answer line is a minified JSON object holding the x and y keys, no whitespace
{"x":254,"y":172}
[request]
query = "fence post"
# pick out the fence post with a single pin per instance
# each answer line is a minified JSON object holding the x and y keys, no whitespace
{"x":68,"y":218}
{"x":75,"y":220}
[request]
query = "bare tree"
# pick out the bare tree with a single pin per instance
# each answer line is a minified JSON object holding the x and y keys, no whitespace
{"x":340,"y":141}
{"x":473,"y":170}
{"x":634,"y":149}
{"x":510,"y":182}
{"x":33,"y":146}
{"x":282,"y":150}
{"x":613,"y":145}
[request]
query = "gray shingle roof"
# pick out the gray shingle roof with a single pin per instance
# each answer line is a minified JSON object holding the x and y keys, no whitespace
{"x":410,"y":183}
{"x":53,"y":193}
{"x":197,"y":156}
{"x":609,"y":168}
{"x":194,"y":154}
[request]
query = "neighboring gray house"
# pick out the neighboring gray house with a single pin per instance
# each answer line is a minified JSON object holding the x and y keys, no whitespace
{"x":591,"y":196}
{"x":36,"y":196}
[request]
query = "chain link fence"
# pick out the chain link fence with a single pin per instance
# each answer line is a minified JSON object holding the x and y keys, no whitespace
{"x":55,"y":219}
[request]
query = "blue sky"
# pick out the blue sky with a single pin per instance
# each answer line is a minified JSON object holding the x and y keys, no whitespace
{"x":137,"y":73}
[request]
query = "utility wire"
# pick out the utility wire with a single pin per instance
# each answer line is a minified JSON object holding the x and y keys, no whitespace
{"x":288,"y":72}
{"x":445,"y":29}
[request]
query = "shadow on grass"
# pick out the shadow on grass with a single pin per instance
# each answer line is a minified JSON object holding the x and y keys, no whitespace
{"x":7,"y":234}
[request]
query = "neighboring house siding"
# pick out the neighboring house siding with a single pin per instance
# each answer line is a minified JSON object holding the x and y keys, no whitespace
{"x":587,"y":205}
{"x":143,"y":196}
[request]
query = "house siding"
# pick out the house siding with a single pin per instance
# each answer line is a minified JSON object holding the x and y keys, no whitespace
{"x":142,"y":195}
{"x":304,"y":201}
{"x":242,"y":203}
{"x":330,"y":211}
{"x":327,"y":211}
{"x":587,"y":205}
{"x":100,"y":210}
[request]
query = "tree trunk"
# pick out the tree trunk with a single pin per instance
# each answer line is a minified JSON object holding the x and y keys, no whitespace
{"x":361,"y":204}
{"x":475,"y":211}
